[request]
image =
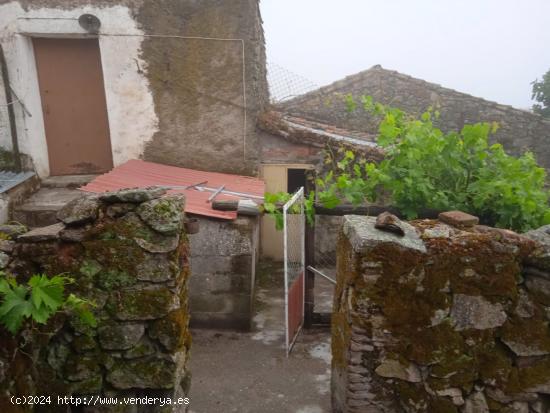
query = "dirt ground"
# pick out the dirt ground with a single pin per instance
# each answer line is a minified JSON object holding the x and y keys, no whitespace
{"x":250,"y":373}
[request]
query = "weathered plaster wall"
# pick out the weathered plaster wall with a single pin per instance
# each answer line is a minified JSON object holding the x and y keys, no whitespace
{"x":519,"y":130}
{"x":170,"y":99}
{"x":128,"y":253}
{"x":5,"y":135}
{"x":198,"y":83}
{"x":275,"y":149}
{"x":441,"y":320}
{"x":223,"y":269}
{"x":131,"y":112}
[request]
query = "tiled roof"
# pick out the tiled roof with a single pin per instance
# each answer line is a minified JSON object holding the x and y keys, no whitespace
{"x":303,"y":131}
{"x":348,"y":82}
{"x":141,"y":174}
{"x":355,"y":137}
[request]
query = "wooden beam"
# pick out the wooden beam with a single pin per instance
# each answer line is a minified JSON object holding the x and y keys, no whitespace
{"x":243,"y":207}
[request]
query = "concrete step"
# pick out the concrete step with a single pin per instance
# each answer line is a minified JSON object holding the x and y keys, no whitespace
{"x":67,"y":181}
{"x":41,"y":208}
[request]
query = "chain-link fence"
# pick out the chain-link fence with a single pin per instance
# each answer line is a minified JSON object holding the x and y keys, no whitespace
{"x":294,"y":265}
{"x":285,"y":85}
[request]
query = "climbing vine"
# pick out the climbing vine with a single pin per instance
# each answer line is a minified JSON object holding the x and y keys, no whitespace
{"x":425,"y":168}
{"x":37,"y":300}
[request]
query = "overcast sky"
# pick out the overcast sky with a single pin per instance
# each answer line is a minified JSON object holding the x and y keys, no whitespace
{"x":488,"y":48}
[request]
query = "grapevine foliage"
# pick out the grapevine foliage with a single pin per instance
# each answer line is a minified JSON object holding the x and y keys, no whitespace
{"x":38,"y":300}
{"x":425,"y":168}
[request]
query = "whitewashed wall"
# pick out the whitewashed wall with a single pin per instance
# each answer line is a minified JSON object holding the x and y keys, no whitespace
{"x":131,"y":113}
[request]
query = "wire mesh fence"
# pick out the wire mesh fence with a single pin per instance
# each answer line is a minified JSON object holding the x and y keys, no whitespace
{"x":294,"y":265}
{"x":324,"y":261}
{"x":285,"y":84}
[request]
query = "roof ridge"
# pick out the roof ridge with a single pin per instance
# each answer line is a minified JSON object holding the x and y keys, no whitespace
{"x":354,"y":78}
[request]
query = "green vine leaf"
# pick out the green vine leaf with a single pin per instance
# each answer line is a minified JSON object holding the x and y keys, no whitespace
{"x":47,"y":292}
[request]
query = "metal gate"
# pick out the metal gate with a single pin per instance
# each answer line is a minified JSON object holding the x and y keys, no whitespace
{"x":294,"y":266}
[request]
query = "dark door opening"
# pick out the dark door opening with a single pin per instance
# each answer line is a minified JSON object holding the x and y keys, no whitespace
{"x":296,"y":179}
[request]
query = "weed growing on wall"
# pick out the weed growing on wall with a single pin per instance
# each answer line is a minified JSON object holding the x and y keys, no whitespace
{"x":39,"y":299}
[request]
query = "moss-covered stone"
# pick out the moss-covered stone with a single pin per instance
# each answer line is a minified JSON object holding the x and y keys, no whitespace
{"x":142,"y":349}
{"x":494,"y":365}
{"x":535,"y":378}
{"x":119,"y":210}
{"x":146,"y":304}
{"x":90,"y":268}
{"x":400,"y":302}
{"x":441,"y":405}
{"x":57,"y":354}
{"x":79,"y":368}
{"x":90,"y":386}
{"x":171,"y":330}
{"x":412,"y":396}
{"x":83,"y":343}
{"x":459,"y":371}
{"x":114,"y":279}
{"x":147,"y":373}
{"x":79,"y":211}
{"x":163,"y":214}
{"x":132,"y":195}
{"x":540,"y":289}
{"x":120,"y":336}
{"x":12,"y":231}
{"x":527,"y":337}
{"x":157,"y":268}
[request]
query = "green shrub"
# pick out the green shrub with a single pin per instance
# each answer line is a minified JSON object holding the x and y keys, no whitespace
{"x":425,"y":168}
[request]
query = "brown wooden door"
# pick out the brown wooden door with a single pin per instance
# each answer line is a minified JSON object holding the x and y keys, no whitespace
{"x":74,"y":106}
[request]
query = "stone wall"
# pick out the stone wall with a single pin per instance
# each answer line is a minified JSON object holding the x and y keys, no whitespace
{"x":443,"y":319}
{"x":519,"y":129}
{"x":128,"y":253}
{"x":223,"y":269}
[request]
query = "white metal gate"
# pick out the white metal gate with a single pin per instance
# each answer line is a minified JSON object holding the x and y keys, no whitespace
{"x":294,"y":265}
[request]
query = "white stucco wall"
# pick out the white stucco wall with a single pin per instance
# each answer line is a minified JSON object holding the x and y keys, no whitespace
{"x":130,"y":106}
{"x":5,"y":136}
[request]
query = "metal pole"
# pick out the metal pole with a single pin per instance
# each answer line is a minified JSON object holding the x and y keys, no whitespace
{"x":309,"y":284}
{"x":11,"y":113}
{"x":285,"y":258}
{"x":303,"y":257}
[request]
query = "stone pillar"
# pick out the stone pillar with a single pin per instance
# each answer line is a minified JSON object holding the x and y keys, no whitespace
{"x":442,"y":319}
{"x":128,"y":253}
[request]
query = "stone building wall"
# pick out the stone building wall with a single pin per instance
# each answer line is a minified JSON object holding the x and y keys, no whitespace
{"x":128,"y":253}
{"x":223,"y":270}
{"x":443,"y":319}
{"x":519,"y":130}
{"x":184,"y":80}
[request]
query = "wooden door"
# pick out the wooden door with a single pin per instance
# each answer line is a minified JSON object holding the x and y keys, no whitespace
{"x":74,"y":106}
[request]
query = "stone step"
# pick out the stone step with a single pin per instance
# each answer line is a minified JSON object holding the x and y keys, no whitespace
{"x":67,"y":181}
{"x":41,"y":208}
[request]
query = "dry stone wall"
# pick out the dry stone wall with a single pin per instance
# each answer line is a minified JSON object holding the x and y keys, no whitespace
{"x":442,"y":319}
{"x":128,"y":253}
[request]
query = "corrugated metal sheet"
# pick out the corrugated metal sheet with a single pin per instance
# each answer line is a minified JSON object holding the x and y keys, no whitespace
{"x":10,"y":179}
{"x":141,"y":174}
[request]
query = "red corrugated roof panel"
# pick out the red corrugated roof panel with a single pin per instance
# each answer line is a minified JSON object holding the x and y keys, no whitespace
{"x":141,"y":174}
